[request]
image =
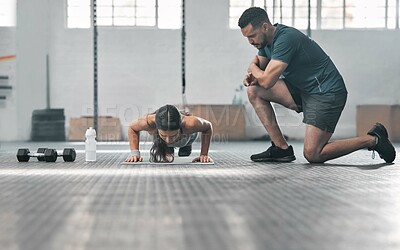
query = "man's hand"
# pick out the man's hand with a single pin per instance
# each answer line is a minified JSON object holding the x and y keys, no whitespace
{"x":249,"y":80}
{"x":134,"y":159}
{"x":202,"y":158}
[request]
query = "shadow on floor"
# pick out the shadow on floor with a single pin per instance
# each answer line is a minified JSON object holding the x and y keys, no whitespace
{"x":359,"y":166}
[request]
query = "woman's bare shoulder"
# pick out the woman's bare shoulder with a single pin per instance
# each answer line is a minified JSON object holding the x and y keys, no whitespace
{"x":146,"y":122}
{"x":151,"y":119}
{"x":192,"y":124}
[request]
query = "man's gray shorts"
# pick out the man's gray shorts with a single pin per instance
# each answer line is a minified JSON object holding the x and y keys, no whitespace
{"x":320,"y":110}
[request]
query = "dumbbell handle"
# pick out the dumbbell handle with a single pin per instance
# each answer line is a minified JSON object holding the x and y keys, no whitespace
{"x":59,"y":154}
{"x":36,"y":154}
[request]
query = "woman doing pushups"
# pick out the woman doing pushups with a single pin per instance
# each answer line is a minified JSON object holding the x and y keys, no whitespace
{"x":170,"y":128}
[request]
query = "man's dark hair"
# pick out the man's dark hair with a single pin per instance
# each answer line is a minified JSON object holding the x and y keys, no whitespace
{"x":254,"y":15}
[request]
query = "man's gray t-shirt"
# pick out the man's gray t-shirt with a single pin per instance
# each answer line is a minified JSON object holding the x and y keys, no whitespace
{"x":309,"y":68}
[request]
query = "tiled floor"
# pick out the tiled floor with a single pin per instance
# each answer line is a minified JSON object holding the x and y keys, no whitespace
{"x":349,"y":203}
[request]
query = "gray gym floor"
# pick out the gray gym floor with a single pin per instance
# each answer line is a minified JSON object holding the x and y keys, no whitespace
{"x":349,"y":203}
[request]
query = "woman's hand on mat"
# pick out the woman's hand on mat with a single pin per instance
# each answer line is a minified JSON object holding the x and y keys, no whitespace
{"x":134,"y":159}
{"x":202,"y":158}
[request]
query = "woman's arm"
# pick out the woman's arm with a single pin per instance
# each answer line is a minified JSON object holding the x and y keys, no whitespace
{"x":196,"y":124}
{"x":141,"y":124}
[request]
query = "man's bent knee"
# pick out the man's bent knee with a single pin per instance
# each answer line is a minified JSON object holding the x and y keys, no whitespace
{"x":252,"y":92}
{"x":313,"y":156}
{"x":256,"y":92}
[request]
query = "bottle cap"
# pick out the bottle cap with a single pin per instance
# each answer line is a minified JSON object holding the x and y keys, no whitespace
{"x":90,"y":132}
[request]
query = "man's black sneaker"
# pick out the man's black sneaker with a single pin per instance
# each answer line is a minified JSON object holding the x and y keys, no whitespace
{"x":275,"y":154}
{"x":185,"y":151}
{"x":384,"y":147}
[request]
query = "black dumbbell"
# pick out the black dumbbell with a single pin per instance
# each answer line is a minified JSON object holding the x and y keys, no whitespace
{"x":69,"y":155}
{"x":24,"y":154}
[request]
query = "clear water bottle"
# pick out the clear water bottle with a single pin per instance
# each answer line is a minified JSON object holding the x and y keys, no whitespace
{"x":237,"y":98}
{"x":90,"y":144}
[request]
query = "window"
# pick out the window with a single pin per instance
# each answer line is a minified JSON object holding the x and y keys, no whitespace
{"x":8,"y":12}
{"x":393,"y":18}
{"x":163,"y":14}
{"x":325,"y":14}
{"x":300,"y":19}
{"x":365,"y":14}
{"x":332,"y":14}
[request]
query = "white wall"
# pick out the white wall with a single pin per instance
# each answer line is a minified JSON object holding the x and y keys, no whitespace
{"x":8,"y":107}
{"x":139,"y":69}
{"x":32,"y":46}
